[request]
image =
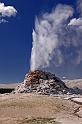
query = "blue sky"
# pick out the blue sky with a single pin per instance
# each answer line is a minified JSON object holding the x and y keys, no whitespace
{"x":16,"y":39}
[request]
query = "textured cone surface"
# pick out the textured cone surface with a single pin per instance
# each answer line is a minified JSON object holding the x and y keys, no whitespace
{"x":42,"y":82}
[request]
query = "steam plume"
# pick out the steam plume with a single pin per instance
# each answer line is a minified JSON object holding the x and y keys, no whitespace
{"x":53,"y":35}
{"x":79,"y":6}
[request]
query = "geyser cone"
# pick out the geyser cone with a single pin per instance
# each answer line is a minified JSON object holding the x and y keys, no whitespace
{"x":42,"y":82}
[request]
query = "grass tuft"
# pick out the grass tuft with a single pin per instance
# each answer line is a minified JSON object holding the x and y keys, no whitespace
{"x":39,"y":121}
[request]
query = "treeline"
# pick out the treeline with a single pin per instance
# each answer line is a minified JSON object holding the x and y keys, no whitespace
{"x":6,"y":90}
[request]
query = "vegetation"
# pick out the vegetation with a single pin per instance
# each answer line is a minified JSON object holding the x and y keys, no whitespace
{"x":6,"y":90}
{"x":39,"y":121}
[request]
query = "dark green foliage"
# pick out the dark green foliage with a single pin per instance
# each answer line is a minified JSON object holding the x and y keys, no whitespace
{"x":6,"y":90}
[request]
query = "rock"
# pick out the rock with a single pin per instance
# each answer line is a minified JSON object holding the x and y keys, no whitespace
{"x":42,"y":82}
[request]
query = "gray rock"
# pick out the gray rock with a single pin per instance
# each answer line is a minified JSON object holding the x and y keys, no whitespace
{"x":43,"y":83}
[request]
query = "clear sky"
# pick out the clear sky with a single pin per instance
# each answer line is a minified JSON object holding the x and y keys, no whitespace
{"x":16,"y":26}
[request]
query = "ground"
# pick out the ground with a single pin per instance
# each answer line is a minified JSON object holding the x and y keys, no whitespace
{"x":39,"y":109}
{"x":35,"y":109}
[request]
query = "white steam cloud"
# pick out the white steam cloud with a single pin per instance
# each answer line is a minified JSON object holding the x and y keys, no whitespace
{"x":6,"y":11}
{"x":79,"y":6}
{"x":54,"y":35}
{"x":76,"y":22}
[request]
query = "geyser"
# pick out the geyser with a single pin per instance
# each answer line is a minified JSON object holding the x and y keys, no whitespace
{"x":53,"y":36}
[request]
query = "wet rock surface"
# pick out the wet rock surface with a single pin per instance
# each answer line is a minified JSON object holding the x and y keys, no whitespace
{"x":42,"y":82}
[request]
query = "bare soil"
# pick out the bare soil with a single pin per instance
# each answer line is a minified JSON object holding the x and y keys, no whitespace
{"x":37,"y":109}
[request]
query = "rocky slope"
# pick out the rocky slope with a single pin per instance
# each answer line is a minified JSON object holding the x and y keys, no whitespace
{"x":41,"y":82}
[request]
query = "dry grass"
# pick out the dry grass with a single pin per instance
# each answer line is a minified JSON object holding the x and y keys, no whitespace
{"x":39,"y":121}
